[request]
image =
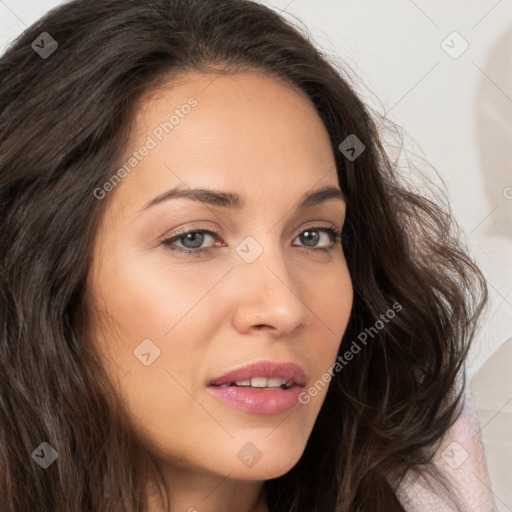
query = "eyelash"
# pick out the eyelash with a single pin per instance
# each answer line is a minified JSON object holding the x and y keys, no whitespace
{"x":335,"y":237}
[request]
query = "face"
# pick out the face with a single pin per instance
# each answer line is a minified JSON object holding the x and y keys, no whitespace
{"x":195,"y":289}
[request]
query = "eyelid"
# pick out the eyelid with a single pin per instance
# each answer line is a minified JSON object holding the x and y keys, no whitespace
{"x":206,"y":226}
{"x":315,"y":224}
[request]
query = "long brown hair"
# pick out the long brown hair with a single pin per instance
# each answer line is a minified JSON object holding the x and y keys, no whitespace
{"x":64,"y":123}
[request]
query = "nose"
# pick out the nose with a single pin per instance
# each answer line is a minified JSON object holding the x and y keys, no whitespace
{"x":270,"y":295}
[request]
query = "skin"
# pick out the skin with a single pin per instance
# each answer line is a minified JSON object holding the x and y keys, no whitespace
{"x":253,"y":135}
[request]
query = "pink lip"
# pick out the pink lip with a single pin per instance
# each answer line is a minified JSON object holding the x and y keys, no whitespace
{"x":261,"y":400}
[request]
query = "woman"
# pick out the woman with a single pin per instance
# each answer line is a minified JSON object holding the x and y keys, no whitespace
{"x":217,"y":291}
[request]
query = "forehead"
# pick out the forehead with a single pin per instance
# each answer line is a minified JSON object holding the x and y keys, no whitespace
{"x":248,"y":132}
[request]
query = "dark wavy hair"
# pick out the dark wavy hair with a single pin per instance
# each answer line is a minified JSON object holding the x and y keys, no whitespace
{"x":64,"y":123}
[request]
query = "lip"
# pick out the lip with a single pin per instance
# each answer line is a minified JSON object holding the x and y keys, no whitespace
{"x":268,"y":369}
{"x":261,"y":400}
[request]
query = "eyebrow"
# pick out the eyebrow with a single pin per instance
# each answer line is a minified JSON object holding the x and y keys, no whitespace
{"x":237,"y":202}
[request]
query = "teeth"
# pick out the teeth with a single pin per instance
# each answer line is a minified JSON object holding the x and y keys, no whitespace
{"x":261,"y":382}
{"x":243,"y":382}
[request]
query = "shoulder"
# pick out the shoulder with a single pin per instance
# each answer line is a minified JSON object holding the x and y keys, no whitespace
{"x":460,"y":459}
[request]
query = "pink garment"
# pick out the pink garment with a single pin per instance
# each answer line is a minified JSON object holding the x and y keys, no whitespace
{"x":461,"y":459}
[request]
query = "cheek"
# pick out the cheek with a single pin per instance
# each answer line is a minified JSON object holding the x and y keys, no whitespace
{"x":334,"y":298}
{"x":148,"y":297}
{"x":153,"y":323}
{"x":334,"y":303}
{"x":155,"y":310}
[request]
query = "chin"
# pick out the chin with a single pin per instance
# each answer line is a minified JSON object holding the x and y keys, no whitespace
{"x":267,"y":471}
{"x":274,"y":462}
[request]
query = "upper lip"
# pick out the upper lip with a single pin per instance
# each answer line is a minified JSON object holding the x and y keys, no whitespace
{"x":268,"y":369}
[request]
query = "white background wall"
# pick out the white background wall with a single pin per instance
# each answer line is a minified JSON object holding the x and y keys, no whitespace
{"x":394,"y":46}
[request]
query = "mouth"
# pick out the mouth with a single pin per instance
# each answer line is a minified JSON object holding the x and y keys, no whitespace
{"x":262,"y":388}
{"x":261,"y":383}
{"x":263,"y":374}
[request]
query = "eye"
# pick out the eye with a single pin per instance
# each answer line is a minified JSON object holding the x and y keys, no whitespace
{"x":190,"y":241}
{"x":311,"y":236}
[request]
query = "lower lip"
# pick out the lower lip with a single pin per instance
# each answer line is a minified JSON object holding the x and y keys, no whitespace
{"x":259,"y":400}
